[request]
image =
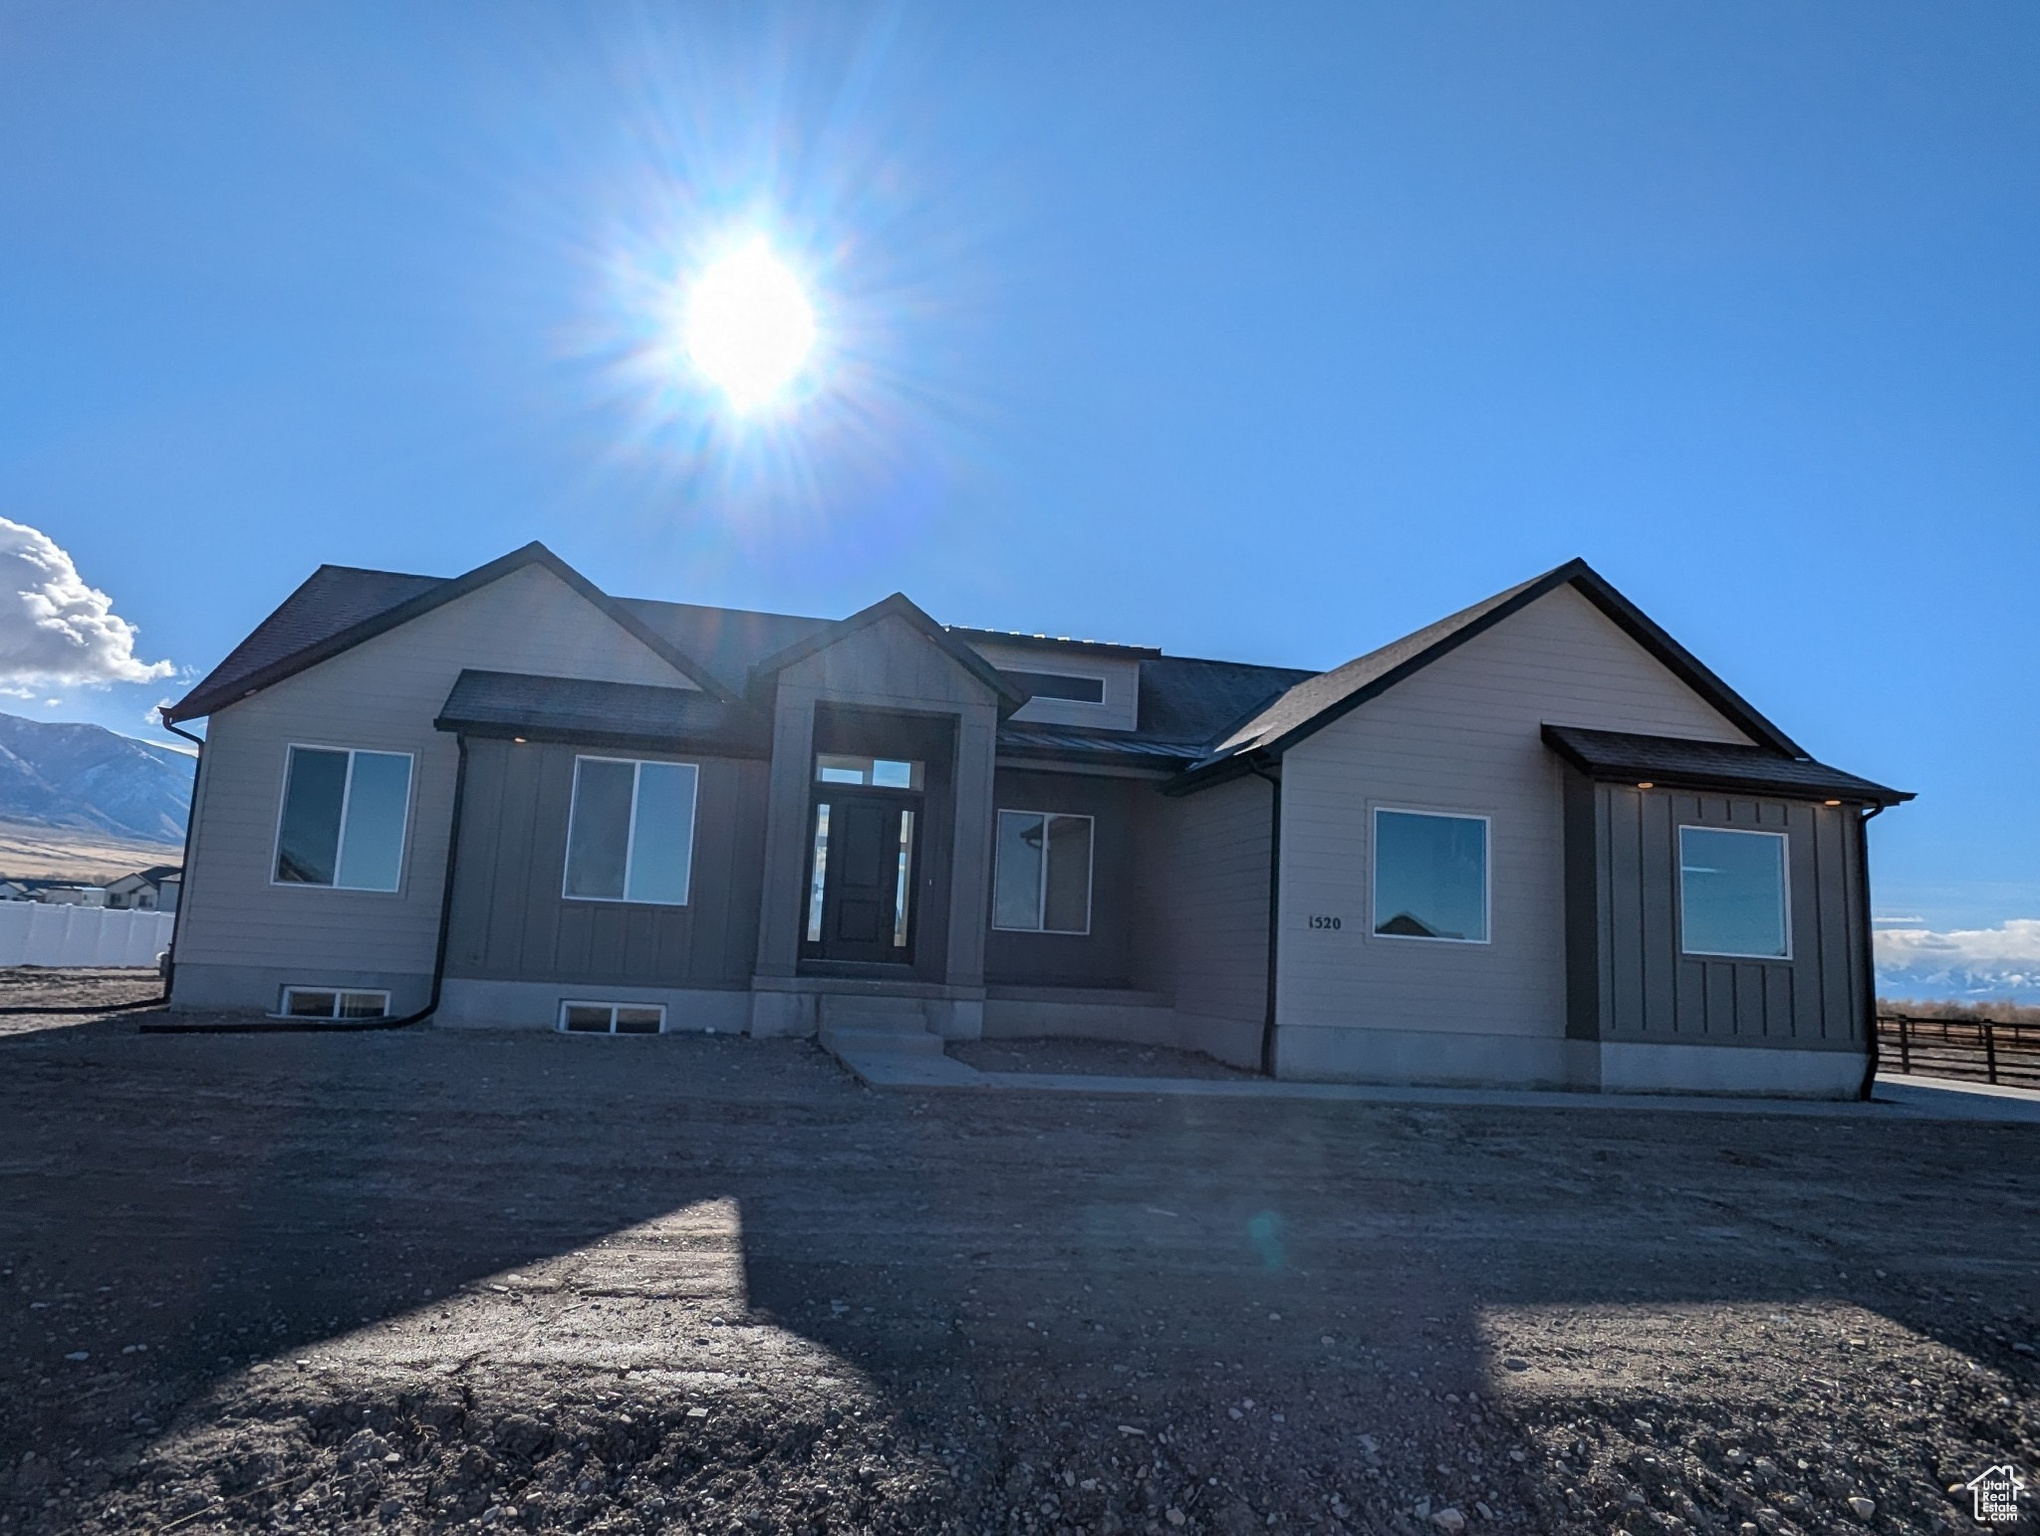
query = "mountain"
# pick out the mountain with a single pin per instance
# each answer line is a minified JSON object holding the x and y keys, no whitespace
{"x":1962,"y":965}
{"x":87,"y":779}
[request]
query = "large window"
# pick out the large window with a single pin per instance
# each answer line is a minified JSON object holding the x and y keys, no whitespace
{"x":1043,"y":880}
{"x":1431,"y":876}
{"x":343,"y":818}
{"x":630,"y":834}
{"x":1732,"y":893}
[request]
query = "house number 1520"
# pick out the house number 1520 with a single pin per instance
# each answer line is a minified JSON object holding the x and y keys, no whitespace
{"x":1317,"y":920}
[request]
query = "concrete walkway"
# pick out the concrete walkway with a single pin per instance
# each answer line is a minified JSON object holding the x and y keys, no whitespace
{"x":1896,"y":1098}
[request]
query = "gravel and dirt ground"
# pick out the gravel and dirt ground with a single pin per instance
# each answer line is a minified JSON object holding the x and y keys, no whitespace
{"x":1098,"y":1058}
{"x":446,"y":1281}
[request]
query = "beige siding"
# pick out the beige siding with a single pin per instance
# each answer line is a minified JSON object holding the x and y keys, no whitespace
{"x":1204,"y":902}
{"x":1462,"y":735}
{"x":383,"y":694}
{"x":1119,"y":712}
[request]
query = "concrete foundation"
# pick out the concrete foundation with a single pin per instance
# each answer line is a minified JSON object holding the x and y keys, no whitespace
{"x":258,"y":990}
{"x":471,"y":1004}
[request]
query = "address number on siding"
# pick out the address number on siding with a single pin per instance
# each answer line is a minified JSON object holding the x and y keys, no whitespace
{"x":1319,"y":920}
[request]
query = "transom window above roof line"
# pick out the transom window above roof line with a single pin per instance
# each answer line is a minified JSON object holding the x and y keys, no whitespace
{"x":879,"y":772}
{"x":1075,"y":688}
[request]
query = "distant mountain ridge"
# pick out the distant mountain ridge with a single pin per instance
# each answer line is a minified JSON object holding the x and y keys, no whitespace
{"x":69,"y":775}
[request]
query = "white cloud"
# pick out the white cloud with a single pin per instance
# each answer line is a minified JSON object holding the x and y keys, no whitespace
{"x":53,"y":627}
{"x":1999,"y":961}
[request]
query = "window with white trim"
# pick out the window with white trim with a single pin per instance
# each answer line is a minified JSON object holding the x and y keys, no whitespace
{"x":630,"y":831}
{"x":1042,"y":879}
{"x":612,"y":1018}
{"x":1733,"y":889}
{"x":334,"y":1003}
{"x":343,"y":819}
{"x":1430,"y":876}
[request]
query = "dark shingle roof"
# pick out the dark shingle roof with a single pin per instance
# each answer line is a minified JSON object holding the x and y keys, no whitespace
{"x":331,"y":601}
{"x":575,"y":709}
{"x":1715,"y":765}
{"x":339,"y":607}
{"x":1183,"y":698}
{"x":727,"y":641}
{"x":1324,"y":697}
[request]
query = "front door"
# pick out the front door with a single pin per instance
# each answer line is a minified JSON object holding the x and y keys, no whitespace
{"x":861,"y":875}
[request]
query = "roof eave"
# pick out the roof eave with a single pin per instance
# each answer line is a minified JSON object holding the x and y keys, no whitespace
{"x":200,"y":701}
{"x":706,"y":743}
{"x":900,"y":606}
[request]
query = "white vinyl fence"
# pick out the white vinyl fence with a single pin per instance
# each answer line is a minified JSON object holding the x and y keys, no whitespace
{"x":33,"y":934}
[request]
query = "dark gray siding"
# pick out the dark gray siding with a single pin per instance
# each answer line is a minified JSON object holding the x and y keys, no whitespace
{"x":1203,"y":934}
{"x":1103,"y":957}
{"x":510,"y":923}
{"x":1631,"y":979}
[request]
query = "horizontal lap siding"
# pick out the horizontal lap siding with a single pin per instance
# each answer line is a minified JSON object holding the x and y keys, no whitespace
{"x":1202,"y":932}
{"x":511,"y":923}
{"x":1462,"y":735}
{"x":384,"y":695}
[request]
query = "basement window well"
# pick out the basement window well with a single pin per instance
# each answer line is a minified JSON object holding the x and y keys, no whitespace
{"x":612,"y":1018}
{"x":334,"y":1003}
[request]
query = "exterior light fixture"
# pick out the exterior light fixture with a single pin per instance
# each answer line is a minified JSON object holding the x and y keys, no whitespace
{"x":518,"y":739}
{"x":1646,"y":784}
{"x":1831,"y":802}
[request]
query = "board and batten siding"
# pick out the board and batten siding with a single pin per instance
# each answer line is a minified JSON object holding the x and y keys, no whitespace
{"x":1103,"y":956}
{"x":1203,"y":903}
{"x":382,"y":695}
{"x":511,"y":922}
{"x":1462,"y":735}
{"x":1647,"y":990}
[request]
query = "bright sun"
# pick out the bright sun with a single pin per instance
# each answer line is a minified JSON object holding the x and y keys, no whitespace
{"x":749,"y":325}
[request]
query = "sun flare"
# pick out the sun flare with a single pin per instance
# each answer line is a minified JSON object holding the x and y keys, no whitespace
{"x":750,"y":326}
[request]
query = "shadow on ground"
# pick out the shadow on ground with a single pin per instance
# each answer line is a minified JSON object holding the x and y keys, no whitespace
{"x":433,"y":1280}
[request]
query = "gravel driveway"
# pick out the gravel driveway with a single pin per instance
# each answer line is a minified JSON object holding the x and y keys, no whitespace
{"x":437,"y":1280}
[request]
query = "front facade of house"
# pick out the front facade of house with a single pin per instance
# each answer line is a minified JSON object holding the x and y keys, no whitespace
{"x":1535,"y":844}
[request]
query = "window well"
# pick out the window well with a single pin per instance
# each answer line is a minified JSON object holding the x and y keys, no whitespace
{"x":612,"y":1018}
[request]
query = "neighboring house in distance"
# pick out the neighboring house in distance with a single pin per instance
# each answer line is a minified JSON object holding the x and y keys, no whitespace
{"x":54,"y":893}
{"x":1537,"y":843}
{"x":146,"y":890}
{"x":9,"y":891}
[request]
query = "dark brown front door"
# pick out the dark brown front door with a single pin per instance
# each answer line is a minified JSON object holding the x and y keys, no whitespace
{"x":861,"y":876}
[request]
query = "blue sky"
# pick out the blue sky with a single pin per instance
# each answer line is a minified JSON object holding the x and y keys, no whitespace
{"x":1267,"y":334}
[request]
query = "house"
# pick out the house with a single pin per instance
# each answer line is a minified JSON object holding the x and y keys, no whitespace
{"x":10,"y":891}
{"x":146,"y":890}
{"x":1537,"y":843}
{"x":61,"y":893}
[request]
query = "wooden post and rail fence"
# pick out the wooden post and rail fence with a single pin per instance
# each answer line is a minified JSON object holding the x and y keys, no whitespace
{"x":1975,"y":1050}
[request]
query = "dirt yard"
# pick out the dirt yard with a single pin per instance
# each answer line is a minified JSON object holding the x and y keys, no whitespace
{"x":436,"y":1281}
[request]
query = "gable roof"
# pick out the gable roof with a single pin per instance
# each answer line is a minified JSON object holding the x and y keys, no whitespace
{"x":339,"y":607}
{"x":1712,"y":765}
{"x":898,"y":606}
{"x":728,"y":641}
{"x":1317,"y":701}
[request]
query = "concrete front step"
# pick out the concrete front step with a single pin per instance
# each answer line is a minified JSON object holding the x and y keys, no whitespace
{"x":879,"y":1036}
